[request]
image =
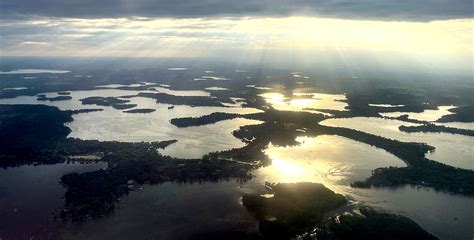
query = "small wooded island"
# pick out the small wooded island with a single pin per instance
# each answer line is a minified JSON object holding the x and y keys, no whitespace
{"x":312,"y":211}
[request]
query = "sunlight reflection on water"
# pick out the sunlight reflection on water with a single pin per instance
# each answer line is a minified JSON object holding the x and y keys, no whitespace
{"x":325,"y":159}
{"x":306,"y":102}
{"x":115,"y":125}
{"x":451,"y":149}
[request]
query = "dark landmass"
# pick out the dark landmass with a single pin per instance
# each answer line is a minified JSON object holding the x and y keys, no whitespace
{"x":365,"y":110}
{"x":140,"y":110}
{"x":203,"y":120}
{"x":436,"y":128}
{"x":297,"y":208}
{"x":395,"y":86}
{"x":370,"y":224}
{"x":294,"y":209}
{"x":359,"y":103}
{"x":143,"y":165}
{"x":460,"y":114}
{"x":108,"y":101}
{"x":433,"y":174}
{"x":23,"y":142}
{"x":420,"y":170}
{"x":88,"y":110}
{"x":227,"y":235}
{"x":303,"y":119}
{"x":281,"y":127}
{"x":137,"y":88}
{"x":410,"y":152}
{"x":415,"y":99}
{"x":123,"y":106}
{"x":182,"y":100}
{"x":94,"y":194}
{"x":405,"y":118}
{"x":53,"y":99}
{"x":20,"y":135}
{"x":341,"y":114}
{"x":64,"y":93}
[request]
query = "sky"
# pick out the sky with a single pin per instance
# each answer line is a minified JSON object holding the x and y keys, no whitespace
{"x":436,"y":31}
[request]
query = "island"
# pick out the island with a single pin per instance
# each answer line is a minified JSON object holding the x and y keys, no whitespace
{"x":114,"y":102}
{"x":140,"y":110}
{"x":281,"y":128}
{"x":43,"y":97}
{"x":182,"y":100}
{"x":436,"y":128}
{"x":312,"y":211}
{"x":460,"y":114}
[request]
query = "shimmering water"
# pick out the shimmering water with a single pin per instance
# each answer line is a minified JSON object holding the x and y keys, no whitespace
{"x":326,"y":159}
{"x":427,"y":115}
{"x":116,"y":125}
{"x":178,"y":211}
{"x":445,"y":215}
{"x":15,"y":89}
{"x":193,"y":142}
{"x":182,"y":93}
{"x":336,"y":161}
{"x":306,"y":102}
{"x":451,"y":149}
{"x":385,"y":105}
{"x":33,"y":71}
{"x":217,"y":89}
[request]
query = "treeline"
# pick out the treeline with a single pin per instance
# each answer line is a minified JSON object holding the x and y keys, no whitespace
{"x":436,"y":128}
{"x":203,"y":120}
{"x":460,"y":114}
{"x":182,"y":100}
{"x":108,"y":101}
{"x":300,"y":210}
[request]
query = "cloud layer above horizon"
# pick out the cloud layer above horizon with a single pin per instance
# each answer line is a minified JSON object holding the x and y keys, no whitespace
{"x":431,"y":33}
{"x":387,"y":10}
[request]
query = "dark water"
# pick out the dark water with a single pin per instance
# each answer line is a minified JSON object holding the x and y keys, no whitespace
{"x":29,"y":195}
{"x":172,"y":211}
{"x":181,"y":211}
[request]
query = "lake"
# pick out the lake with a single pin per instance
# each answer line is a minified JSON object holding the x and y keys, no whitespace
{"x":29,"y":195}
{"x":116,"y":125}
{"x":452,"y":149}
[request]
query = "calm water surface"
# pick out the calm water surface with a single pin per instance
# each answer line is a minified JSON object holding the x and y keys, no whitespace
{"x":179,"y":211}
{"x":427,"y":115}
{"x":33,"y":71}
{"x":115,"y":125}
{"x":326,"y":159}
{"x":305,"y":102}
{"x":29,"y":195}
{"x":452,"y":149}
{"x":172,"y":211}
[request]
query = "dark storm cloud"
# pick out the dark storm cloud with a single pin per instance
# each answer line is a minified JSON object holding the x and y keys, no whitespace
{"x":410,"y":10}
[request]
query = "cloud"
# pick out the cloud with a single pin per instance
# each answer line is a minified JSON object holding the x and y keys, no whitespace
{"x":206,"y":37}
{"x":393,"y":10}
